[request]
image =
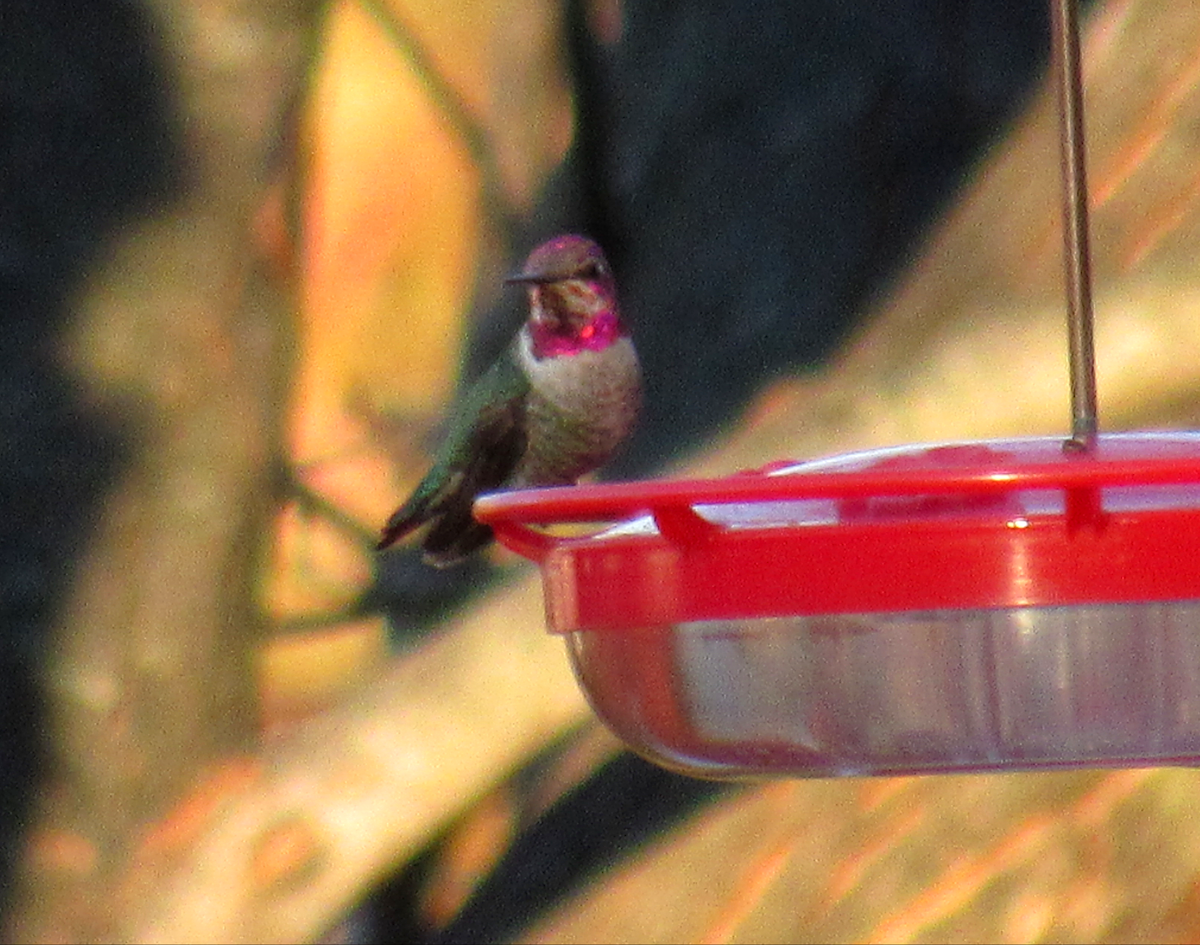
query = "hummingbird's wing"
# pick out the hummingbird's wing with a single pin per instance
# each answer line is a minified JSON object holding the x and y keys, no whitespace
{"x":479,"y":455}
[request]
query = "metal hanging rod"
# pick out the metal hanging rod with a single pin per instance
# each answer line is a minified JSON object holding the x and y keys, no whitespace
{"x":1064,"y":23}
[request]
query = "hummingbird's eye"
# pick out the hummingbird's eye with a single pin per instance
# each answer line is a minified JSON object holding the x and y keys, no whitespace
{"x":594,"y":270}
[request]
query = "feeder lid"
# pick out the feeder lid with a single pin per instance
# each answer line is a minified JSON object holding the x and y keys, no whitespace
{"x":988,"y":524}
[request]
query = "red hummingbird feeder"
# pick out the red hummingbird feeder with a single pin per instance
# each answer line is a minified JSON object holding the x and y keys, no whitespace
{"x":993,"y":605}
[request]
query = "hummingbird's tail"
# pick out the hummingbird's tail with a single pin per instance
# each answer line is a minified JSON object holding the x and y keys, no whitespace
{"x":453,"y":536}
{"x":453,"y":532}
{"x":404,"y":520}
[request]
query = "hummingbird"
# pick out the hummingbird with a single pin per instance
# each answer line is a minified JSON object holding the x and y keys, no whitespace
{"x":555,"y":405}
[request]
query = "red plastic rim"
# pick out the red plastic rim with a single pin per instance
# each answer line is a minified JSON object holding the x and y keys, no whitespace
{"x":1003,"y":523}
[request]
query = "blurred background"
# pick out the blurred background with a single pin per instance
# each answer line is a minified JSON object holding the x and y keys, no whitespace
{"x":249,"y":251}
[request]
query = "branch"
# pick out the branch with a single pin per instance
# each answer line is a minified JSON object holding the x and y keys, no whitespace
{"x":291,"y":847}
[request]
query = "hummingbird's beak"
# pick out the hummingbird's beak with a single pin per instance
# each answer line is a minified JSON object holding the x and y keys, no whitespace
{"x":522,"y":278}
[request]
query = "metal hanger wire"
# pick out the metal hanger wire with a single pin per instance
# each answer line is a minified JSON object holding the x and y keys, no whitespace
{"x":1064,"y":22}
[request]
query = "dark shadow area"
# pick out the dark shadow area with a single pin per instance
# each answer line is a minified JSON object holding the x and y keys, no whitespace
{"x":415,"y":596}
{"x":624,"y":803}
{"x":85,"y":143}
{"x":762,"y":170}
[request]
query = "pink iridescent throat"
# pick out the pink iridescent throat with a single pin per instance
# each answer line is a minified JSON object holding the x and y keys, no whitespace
{"x":596,"y":335}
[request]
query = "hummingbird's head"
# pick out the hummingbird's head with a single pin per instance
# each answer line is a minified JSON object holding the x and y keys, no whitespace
{"x":572,"y":297}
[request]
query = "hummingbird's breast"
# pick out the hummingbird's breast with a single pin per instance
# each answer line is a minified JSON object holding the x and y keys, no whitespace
{"x":579,"y":409}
